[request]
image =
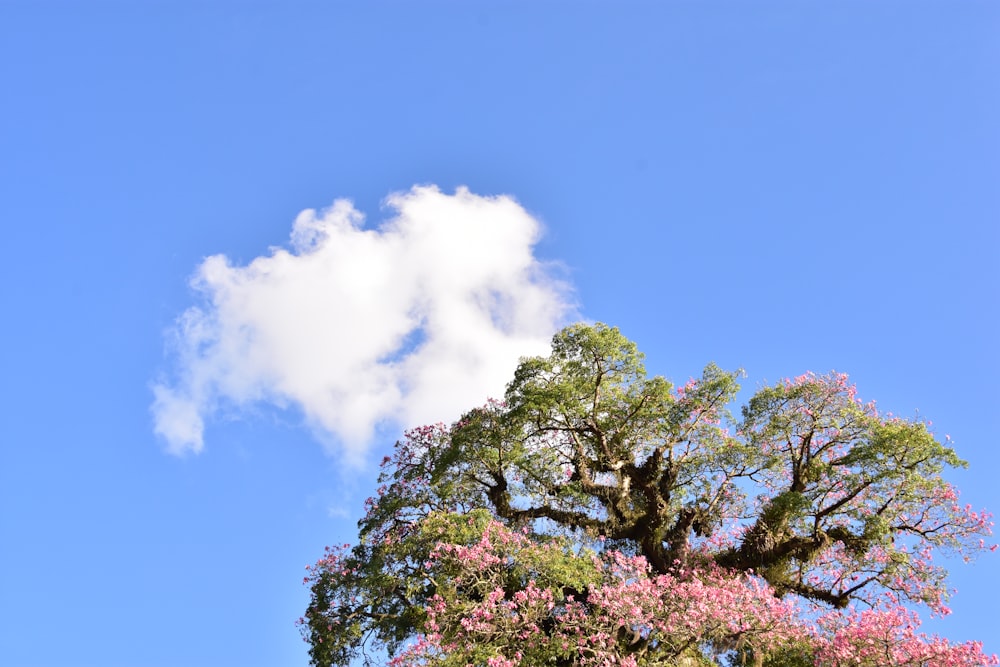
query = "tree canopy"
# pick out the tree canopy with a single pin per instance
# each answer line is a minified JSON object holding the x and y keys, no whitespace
{"x":597,"y":516}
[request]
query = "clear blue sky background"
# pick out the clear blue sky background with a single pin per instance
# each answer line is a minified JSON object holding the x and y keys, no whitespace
{"x":782,"y":186}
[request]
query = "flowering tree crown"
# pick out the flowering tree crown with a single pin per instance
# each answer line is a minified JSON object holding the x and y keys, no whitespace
{"x":597,"y":516}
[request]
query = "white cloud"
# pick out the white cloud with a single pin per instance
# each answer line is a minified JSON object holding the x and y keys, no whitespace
{"x":410,"y":323}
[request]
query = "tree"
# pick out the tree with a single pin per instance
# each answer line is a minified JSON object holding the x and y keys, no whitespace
{"x":597,"y":516}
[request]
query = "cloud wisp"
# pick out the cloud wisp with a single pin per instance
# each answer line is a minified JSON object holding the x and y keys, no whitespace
{"x":409,"y":323}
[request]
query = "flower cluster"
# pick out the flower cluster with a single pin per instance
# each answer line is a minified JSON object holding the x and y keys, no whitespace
{"x":486,"y":612}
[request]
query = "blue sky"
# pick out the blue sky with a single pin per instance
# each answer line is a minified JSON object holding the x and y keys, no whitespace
{"x":779,"y":186}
